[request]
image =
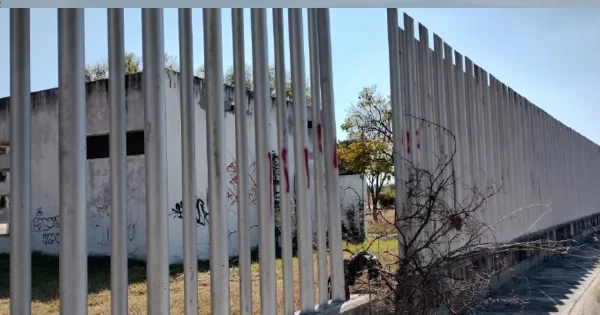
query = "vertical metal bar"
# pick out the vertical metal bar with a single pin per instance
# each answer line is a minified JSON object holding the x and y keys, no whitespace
{"x":72,"y":167}
{"x":510,"y":161}
{"x":411,"y":94}
{"x":502,"y":152}
{"x":479,"y":109}
{"x":241,"y":154}
{"x":282,"y":133}
{"x":512,"y":226}
{"x":529,"y":173}
{"x":305,"y":257}
{"x":20,"y":162}
{"x":330,"y":148}
{"x":462,"y":128}
{"x":471,"y":120}
{"x":559,"y":165}
{"x":319,"y":158}
{"x":517,"y":112}
{"x":156,"y":161}
{"x":262,"y":102}
{"x":438,"y":96}
{"x":440,"y":109}
{"x":496,"y":120}
{"x":515,"y":161}
{"x":545,"y":174}
{"x":489,"y":144}
{"x":411,"y":112}
{"x":452,"y":117}
{"x":215,"y":131}
{"x":425,"y":129}
{"x":396,"y":98}
{"x":188,"y":161}
{"x":118,"y":162}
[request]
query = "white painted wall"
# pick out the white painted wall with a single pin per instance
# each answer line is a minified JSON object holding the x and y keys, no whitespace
{"x":45,"y":176}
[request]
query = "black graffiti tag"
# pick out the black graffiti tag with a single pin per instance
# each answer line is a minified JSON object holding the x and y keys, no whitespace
{"x":43,"y":224}
{"x":201,"y":213}
{"x":51,"y":238}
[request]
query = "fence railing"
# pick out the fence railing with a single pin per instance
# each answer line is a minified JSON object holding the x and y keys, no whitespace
{"x":72,"y":162}
{"x":440,"y":101}
{"x":546,"y":171}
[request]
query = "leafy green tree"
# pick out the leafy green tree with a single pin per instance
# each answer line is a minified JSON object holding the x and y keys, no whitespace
{"x":368,"y":149}
{"x":133,"y":64}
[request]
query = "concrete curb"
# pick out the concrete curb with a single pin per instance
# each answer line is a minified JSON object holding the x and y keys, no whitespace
{"x":357,"y":305}
{"x":585,"y":299}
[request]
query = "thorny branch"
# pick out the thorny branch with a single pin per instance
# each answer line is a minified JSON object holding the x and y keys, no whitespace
{"x":448,"y":255}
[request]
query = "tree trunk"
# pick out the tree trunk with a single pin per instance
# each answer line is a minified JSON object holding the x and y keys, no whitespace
{"x":375,"y":199}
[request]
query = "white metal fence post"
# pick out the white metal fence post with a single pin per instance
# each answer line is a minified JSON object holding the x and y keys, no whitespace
{"x":20,"y":162}
{"x":241,"y":153}
{"x":330,"y":149}
{"x":72,"y":162}
{"x":156,"y":162}
{"x":215,"y":131}
{"x":188,"y":162}
{"x":118,"y":161}
{"x":319,"y":158}
{"x":262,"y":102}
{"x":396,"y":98}
{"x":303,"y":211}
{"x":282,"y":142}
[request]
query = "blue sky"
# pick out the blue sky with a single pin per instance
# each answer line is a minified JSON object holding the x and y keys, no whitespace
{"x":547,"y":55}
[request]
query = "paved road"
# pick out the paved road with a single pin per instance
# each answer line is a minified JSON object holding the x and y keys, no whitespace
{"x":555,"y":287}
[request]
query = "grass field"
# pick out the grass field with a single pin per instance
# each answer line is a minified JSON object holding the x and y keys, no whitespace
{"x":45,"y":282}
{"x":382,"y":226}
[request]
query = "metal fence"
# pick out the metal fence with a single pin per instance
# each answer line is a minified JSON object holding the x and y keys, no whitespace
{"x":72,"y":157}
{"x":547,"y":172}
{"x":500,"y":136}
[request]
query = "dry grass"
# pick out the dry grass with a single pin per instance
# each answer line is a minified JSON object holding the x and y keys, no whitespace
{"x":382,"y":226}
{"x":45,"y":283}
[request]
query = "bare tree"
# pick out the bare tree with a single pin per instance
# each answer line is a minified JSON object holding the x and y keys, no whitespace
{"x":448,"y":256}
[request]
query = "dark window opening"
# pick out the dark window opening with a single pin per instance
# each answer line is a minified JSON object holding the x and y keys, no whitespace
{"x":3,"y":175}
{"x":98,"y":147}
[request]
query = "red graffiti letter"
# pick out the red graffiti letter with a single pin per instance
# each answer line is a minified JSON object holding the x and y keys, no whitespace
{"x":335,"y":154}
{"x":270,"y":183}
{"x":307,"y":170}
{"x":286,"y":175}
{"x":408,"y":141}
{"x":320,"y":137}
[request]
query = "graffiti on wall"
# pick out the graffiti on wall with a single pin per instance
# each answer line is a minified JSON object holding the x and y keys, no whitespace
{"x":232,"y":184}
{"x":46,"y":225}
{"x":102,"y":233}
{"x":406,"y":140}
{"x":101,"y":203}
{"x":51,"y":238}
{"x":201,"y":213}
{"x":41,"y":223}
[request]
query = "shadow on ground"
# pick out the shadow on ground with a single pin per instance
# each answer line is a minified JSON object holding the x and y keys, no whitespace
{"x":543,"y":290}
{"x":45,"y":275}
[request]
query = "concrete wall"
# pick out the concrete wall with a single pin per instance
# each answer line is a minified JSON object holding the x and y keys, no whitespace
{"x":45,"y":173}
